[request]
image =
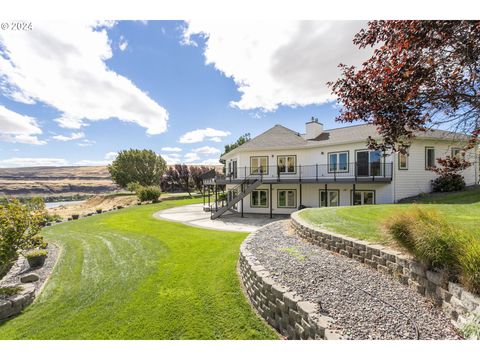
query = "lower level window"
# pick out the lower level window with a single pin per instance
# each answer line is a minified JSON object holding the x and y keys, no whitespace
{"x":259,"y":198}
{"x":364,"y":197}
{"x":329,"y":198}
{"x":287,"y":198}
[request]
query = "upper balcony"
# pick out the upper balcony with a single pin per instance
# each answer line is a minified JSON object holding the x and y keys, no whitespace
{"x":318,"y":173}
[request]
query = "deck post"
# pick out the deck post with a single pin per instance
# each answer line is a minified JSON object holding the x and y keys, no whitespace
{"x":300,"y":173}
{"x":203,"y":195}
{"x":208,"y":187}
{"x":326,"y":195}
{"x":355,"y":165}
{"x":271,"y":195}
{"x":316,"y":172}
{"x":242,"y":187}
{"x":216,"y":198}
{"x":300,"y":194}
{"x":353,"y":195}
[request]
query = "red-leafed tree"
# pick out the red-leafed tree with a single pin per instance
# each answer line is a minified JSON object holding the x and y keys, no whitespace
{"x":422,"y":74}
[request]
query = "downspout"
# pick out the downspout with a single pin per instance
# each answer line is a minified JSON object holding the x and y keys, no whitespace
{"x":394,"y":177}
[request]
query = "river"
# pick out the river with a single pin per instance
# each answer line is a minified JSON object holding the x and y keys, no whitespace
{"x":51,"y":205}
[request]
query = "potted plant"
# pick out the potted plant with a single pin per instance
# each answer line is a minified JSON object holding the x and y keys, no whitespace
{"x":36,"y":258}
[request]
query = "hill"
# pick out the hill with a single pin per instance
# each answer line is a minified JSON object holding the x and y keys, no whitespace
{"x":55,"y":181}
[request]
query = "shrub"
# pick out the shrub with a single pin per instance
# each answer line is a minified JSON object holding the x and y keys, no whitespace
{"x":469,"y":263}
{"x":20,"y":225}
{"x":448,"y":182}
{"x":35,"y":253}
{"x":9,"y":291}
{"x":427,"y":236}
{"x":52,"y":218}
{"x":149,"y":193}
{"x":134,"y":187}
{"x":436,"y":243}
{"x":98,"y":211}
{"x":75,"y":216}
{"x":472,"y":329}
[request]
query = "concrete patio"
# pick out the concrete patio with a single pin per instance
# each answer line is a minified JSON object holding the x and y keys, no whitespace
{"x":194,"y":215}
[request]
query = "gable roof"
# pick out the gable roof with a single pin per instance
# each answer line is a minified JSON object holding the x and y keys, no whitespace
{"x":276,"y":136}
{"x":280,"y":137}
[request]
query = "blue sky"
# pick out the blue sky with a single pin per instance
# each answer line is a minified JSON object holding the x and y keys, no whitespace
{"x":75,"y":95}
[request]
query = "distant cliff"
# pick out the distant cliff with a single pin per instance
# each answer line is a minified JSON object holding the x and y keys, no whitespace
{"x":51,"y":181}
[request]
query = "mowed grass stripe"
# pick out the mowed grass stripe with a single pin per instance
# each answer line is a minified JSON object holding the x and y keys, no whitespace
{"x":126,"y":275}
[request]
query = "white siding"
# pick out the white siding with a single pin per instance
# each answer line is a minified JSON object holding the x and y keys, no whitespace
{"x":417,"y":179}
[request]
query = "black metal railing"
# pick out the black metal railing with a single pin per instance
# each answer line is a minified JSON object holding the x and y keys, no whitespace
{"x":317,"y":172}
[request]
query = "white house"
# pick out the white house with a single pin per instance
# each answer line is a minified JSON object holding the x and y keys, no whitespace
{"x":281,"y":170}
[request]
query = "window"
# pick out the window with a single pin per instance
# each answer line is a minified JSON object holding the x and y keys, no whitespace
{"x":332,"y":198}
{"x":287,"y":164}
{"x":429,"y":157}
{"x":259,"y":198}
{"x":402,"y":161}
{"x":259,"y":165}
{"x":338,"y":162}
{"x":456,"y":152}
{"x":364,"y":197}
{"x":287,"y":198}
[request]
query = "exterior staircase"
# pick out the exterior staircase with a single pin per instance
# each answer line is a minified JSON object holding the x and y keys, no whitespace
{"x":250,"y":186}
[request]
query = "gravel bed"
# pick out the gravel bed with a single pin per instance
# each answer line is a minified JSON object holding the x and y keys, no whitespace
{"x":353,"y":294}
{"x":21,"y":268}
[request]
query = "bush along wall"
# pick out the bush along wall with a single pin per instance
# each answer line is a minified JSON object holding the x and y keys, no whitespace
{"x":458,"y":303}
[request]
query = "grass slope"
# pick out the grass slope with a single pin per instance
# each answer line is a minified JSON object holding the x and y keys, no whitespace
{"x":126,"y":275}
{"x":363,"y":222}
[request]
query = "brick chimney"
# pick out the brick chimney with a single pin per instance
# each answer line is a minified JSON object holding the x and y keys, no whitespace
{"x":313,"y":128}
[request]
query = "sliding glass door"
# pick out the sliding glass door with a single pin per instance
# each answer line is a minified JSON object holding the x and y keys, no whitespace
{"x":369,"y":163}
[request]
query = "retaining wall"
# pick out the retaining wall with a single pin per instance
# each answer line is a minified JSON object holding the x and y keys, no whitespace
{"x":284,"y":310}
{"x":459,"y":304}
{"x":15,"y":304}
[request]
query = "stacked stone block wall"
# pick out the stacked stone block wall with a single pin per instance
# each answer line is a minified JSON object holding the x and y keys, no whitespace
{"x":15,"y":304}
{"x":459,"y":304}
{"x":283,"y":309}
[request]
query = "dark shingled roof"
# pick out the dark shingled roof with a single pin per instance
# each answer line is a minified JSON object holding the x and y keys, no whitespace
{"x":279,"y":137}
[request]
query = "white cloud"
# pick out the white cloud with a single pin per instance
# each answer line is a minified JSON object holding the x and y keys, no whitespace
{"x":171,"y":149}
{"x":69,"y":123}
{"x":214,"y":161}
{"x":191,"y":157}
{"x":200,"y":135}
{"x":63,"y":64}
{"x":73,"y":136}
{"x":172,"y":159}
{"x":282,"y":62}
{"x":110,"y":156}
{"x":123,"y":44}
{"x":86,"y":142}
{"x":18,"y":128}
{"x":26,"y":162}
{"x":206,"y":150}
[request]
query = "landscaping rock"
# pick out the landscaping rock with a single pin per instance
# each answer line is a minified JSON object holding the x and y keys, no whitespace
{"x":361,"y":302}
{"x":32,"y":277}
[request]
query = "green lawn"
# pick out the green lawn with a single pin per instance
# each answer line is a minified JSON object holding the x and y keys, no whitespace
{"x":126,"y":275}
{"x":363,"y":222}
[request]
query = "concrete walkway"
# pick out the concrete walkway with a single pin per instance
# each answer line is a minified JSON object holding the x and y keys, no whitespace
{"x":194,"y":215}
